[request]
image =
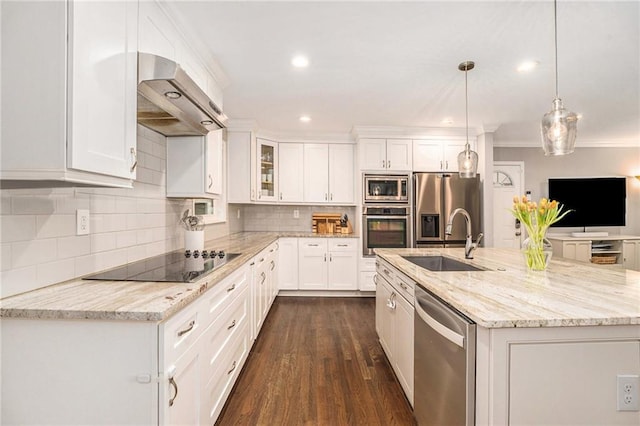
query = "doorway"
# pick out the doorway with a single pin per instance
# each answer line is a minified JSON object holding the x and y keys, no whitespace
{"x":508,"y":182}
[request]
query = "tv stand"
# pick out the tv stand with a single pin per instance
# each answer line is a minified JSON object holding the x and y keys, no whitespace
{"x":616,"y":250}
{"x":589,"y":234}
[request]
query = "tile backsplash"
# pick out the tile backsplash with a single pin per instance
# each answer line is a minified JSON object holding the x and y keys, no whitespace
{"x":39,"y":245}
{"x":260,"y":217}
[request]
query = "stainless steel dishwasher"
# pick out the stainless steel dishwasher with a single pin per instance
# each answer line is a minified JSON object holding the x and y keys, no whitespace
{"x":445,"y":364}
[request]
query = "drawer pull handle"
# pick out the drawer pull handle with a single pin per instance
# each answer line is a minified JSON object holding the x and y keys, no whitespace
{"x":261,"y":260}
{"x":375,"y":279}
{"x":233,"y":367}
{"x":173,"y":383}
{"x":391,"y":302}
{"x":233,"y":324}
{"x":386,"y":271}
{"x":271,"y":251}
{"x":312,"y":245}
{"x":192,"y":323}
{"x":233,"y":287}
{"x":403,"y":285}
{"x":343,"y":245}
{"x":273,"y":265}
{"x":264,"y":277}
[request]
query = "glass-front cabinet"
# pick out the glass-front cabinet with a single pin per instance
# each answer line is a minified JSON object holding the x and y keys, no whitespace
{"x":267,"y":175}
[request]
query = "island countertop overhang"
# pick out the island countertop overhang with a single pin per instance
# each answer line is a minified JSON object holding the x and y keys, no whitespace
{"x":506,"y":294}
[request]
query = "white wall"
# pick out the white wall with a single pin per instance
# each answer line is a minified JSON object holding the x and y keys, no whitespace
{"x":38,"y":238}
{"x":583,"y":162}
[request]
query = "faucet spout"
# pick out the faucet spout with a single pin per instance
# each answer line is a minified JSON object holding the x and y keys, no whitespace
{"x":469,"y":245}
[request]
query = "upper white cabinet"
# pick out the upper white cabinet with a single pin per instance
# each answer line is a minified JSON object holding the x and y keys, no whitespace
{"x":328,"y":173}
{"x":437,"y":155}
{"x":240,"y":183}
{"x":69,"y":79}
{"x":195,"y":166}
{"x":267,"y":176}
{"x":290,"y":171}
{"x":386,"y":154}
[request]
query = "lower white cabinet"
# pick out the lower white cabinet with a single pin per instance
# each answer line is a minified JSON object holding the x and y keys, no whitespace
{"x":328,"y":263}
{"x":394,"y":323}
{"x":575,"y":250}
{"x":288,"y":264}
{"x":265,"y":284}
{"x":631,"y":254}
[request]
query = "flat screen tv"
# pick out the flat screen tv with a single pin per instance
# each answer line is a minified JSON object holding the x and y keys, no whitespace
{"x":595,"y":201}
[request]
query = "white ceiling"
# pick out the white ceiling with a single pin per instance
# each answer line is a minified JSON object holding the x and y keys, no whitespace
{"x":396,"y":64}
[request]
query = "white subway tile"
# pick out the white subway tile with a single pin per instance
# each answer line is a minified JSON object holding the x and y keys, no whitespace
{"x":108,"y":223}
{"x":33,"y":205}
{"x":103,"y":242}
{"x":136,"y":253}
{"x":155,"y":163}
{"x":125,"y":239}
{"x":5,"y":257}
{"x":69,"y":205}
{"x":33,"y":252}
{"x":55,"y":272}
{"x":144,"y":145}
{"x":126,"y":204}
{"x":144,"y":236}
{"x":85,"y":265}
{"x":103,"y":204}
{"x":134,"y":221}
{"x":74,"y":246}
{"x":18,"y":281}
{"x":144,"y":175}
{"x":51,"y":226}
{"x":17,"y":228}
{"x":5,"y":202}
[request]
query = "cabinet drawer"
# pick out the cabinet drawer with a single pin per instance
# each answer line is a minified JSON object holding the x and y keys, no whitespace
{"x":222,"y":331}
{"x":182,"y":330}
{"x":401,"y":283}
{"x":343,"y":244}
{"x":312,"y":245}
{"x":220,"y":385}
{"x":223,"y":294}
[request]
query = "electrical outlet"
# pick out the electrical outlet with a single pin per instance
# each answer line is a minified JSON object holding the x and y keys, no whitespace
{"x":628,"y":392}
{"x":82,"y":222}
{"x":296,"y":214}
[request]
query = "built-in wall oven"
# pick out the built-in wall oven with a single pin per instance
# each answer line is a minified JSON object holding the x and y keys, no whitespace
{"x":385,"y":227}
{"x":386,"y":189}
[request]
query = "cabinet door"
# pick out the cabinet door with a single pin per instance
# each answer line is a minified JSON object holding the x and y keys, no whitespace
{"x":312,"y":261}
{"x":373,"y":154}
{"x":403,"y":349}
{"x":267,"y":178}
{"x":367,"y":282}
{"x":290,"y":174}
{"x":214,"y":164}
{"x":341,"y":169}
{"x":103,"y":88}
{"x":343,"y":270}
{"x":182,"y":404}
{"x":288,"y":263}
{"x":239,"y":169}
{"x":399,"y":155}
{"x":450,"y":155}
{"x":387,"y":315}
{"x":427,"y":156}
{"x":316,"y":173}
{"x":631,"y":255}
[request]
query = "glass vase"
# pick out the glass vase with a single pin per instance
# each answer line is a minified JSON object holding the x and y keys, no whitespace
{"x":537,"y":253}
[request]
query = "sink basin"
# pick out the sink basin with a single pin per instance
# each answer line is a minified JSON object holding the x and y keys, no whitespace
{"x":441,"y":263}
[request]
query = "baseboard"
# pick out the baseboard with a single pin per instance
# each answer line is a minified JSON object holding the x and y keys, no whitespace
{"x":327,"y":293}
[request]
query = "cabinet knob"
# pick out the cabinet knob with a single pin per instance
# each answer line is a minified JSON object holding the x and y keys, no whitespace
{"x":210,"y":181}
{"x":446,"y":163}
{"x":383,"y":164}
{"x":388,"y":164}
{"x":135,"y":159}
{"x":441,"y":165}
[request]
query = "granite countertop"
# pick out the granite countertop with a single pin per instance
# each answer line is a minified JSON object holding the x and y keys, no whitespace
{"x":568,"y":293}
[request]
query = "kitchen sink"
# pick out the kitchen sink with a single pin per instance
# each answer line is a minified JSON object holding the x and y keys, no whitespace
{"x":441,"y":263}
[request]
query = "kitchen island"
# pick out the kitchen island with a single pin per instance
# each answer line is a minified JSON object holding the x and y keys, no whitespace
{"x":551,"y":344}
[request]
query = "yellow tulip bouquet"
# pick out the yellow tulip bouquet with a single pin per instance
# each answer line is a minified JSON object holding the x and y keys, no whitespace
{"x":537,"y":218}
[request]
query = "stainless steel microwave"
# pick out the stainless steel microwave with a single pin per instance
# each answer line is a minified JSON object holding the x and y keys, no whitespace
{"x":386,"y":188}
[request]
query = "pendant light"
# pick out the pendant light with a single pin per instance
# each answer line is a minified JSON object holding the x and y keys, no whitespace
{"x":467,"y":159}
{"x":559,"y":126}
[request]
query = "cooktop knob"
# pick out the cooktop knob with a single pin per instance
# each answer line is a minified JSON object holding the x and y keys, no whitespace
{"x":196,"y":254}
{"x":213,"y":254}
{"x":221,"y":254}
{"x":205,"y":254}
{"x":187,"y":253}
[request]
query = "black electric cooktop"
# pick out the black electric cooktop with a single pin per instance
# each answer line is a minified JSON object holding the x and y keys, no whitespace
{"x":177,"y":266}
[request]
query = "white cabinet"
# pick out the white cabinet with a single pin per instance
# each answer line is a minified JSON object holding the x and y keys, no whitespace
{"x":573,"y":249}
{"x":195,"y":166}
{"x":386,"y":154}
{"x":631,"y":254}
{"x":328,"y":263}
{"x":367,"y":274}
{"x":437,"y":155}
{"x":394,"y":322}
{"x":290,"y":172}
{"x":267,"y":170}
{"x":77,"y":112}
{"x":240,"y":182}
{"x":288,"y":264}
{"x":328,"y":173}
{"x":265,"y":284}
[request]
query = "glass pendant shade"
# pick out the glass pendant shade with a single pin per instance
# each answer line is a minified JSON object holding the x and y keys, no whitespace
{"x":467,"y":163}
{"x":559,"y":128}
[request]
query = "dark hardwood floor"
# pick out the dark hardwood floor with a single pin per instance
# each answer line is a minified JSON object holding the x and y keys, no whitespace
{"x":317,"y":361}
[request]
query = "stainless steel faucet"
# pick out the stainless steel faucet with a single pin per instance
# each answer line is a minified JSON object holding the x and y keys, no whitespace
{"x":469,"y":245}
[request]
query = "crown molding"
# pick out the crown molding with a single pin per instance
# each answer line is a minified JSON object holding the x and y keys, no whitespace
{"x":619,"y":143}
{"x":360,"y":132}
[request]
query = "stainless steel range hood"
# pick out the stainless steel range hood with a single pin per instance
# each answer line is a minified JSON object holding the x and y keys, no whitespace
{"x":170,"y":102}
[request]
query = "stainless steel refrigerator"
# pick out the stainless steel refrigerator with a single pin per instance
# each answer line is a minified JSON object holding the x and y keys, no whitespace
{"x":436,"y":196}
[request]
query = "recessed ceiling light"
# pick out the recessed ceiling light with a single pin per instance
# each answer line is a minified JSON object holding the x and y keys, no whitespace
{"x":528,"y":66}
{"x":305,"y":118}
{"x":447,"y":120}
{"x":300,"y":61}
